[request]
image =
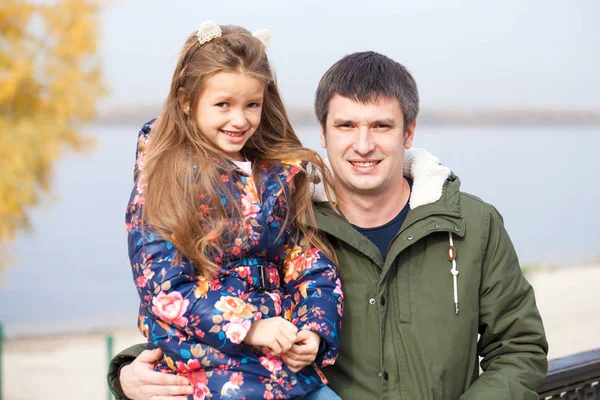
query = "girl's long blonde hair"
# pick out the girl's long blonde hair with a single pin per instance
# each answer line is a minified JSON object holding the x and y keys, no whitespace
{"x":183,"y":182}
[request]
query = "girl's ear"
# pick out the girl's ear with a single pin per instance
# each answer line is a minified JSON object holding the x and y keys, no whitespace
{"x":184,"y":101}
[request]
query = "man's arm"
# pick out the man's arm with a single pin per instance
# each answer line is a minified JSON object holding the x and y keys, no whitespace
{"x":512,"y":343}
{"x":131,"y":376}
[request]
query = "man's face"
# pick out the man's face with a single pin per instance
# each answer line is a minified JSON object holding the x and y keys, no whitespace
{"x":365,"y":144}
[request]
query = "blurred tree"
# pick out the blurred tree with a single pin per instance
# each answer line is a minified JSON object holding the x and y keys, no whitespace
{"x":50,"y":80}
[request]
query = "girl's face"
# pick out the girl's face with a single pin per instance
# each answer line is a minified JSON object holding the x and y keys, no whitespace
{"x":229,"y":110}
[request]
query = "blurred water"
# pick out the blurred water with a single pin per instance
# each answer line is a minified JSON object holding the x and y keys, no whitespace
{"x":72,"y":271}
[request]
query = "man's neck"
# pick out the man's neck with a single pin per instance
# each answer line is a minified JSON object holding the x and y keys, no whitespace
{"x":373,"y":210}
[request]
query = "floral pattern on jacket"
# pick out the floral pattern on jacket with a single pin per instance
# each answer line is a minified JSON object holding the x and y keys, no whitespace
{"x":200,"y":323}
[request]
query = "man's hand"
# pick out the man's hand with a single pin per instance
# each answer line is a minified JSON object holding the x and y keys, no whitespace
{"x":303,"y":352}
{"x":139,"y":381}
{"x":276,"y":333}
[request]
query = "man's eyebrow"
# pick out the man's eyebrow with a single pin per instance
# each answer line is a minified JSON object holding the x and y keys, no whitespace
{"x":342,"y":121}
{"x":384,"y":121}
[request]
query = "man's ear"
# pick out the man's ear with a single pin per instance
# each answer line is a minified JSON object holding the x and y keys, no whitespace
{"x":184,"y":101}
{"x":323,"y":138}
{"x":409,"y":135}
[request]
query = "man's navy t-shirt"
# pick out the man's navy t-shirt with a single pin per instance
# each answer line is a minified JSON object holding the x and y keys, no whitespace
{"x":382,"y":235}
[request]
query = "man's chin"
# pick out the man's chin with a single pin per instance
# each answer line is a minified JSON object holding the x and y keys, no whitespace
{"x":366,"y":188}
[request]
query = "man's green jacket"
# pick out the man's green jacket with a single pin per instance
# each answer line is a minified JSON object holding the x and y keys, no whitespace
{"x":410,"y":329}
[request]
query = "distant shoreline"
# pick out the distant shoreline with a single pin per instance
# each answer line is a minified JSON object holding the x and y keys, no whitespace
{"x":304,"y":116}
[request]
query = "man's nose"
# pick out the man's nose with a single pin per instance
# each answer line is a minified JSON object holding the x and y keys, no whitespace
{"x":364,"y":141}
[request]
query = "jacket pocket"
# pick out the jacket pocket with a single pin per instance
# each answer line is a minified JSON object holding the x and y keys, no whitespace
{"x":400,"y":284}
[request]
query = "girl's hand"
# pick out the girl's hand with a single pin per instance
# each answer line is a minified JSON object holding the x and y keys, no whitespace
{"x":276,"y":333}
{"x":303,"y":352}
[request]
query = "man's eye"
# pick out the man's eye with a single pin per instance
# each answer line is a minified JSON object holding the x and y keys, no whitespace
{"x":344,"y":126}
{"x":382,"y":126}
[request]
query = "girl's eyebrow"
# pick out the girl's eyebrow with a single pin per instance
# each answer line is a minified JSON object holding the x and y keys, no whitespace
{"x":228,"y":98}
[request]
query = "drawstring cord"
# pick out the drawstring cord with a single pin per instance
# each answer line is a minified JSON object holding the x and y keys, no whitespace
{"x":454,"y":270}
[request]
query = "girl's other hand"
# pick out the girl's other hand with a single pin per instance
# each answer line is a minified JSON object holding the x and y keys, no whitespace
{"x":276,"y":333}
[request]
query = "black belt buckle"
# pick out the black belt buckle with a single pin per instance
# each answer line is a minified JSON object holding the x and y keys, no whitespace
{"x":265,"y":282}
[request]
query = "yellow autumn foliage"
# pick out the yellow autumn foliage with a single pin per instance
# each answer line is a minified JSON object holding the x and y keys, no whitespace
{"x":50,"y":81}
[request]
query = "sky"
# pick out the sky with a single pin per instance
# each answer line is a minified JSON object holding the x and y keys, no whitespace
{"x":463,"y":54}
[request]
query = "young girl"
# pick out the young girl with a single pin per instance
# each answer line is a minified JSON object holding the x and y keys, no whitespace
{"x":232,"y":277}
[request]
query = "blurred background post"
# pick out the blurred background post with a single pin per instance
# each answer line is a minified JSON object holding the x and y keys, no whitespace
{"x":1,"y":359}
{"x":109,"y":356}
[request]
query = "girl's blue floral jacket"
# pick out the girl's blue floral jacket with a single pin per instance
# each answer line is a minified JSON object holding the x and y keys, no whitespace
{"x":200,"y":323}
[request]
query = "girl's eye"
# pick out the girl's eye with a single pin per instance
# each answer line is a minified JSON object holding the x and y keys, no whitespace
{"x":222,"y":105}
{"x":253,"y":105}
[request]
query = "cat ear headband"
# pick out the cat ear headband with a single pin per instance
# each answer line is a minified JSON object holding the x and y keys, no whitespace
{"x":209,"y":30}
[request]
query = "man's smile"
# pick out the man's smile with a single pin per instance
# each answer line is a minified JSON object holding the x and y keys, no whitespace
{"x":364,"y":163}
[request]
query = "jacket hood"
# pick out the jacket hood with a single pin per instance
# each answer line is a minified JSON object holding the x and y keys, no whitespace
{"x":423,"y":168}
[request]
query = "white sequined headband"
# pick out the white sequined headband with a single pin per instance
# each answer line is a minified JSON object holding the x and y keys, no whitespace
{"x":209,"y":30}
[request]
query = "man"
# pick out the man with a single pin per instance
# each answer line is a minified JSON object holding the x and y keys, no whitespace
{"x":431,"y":280}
